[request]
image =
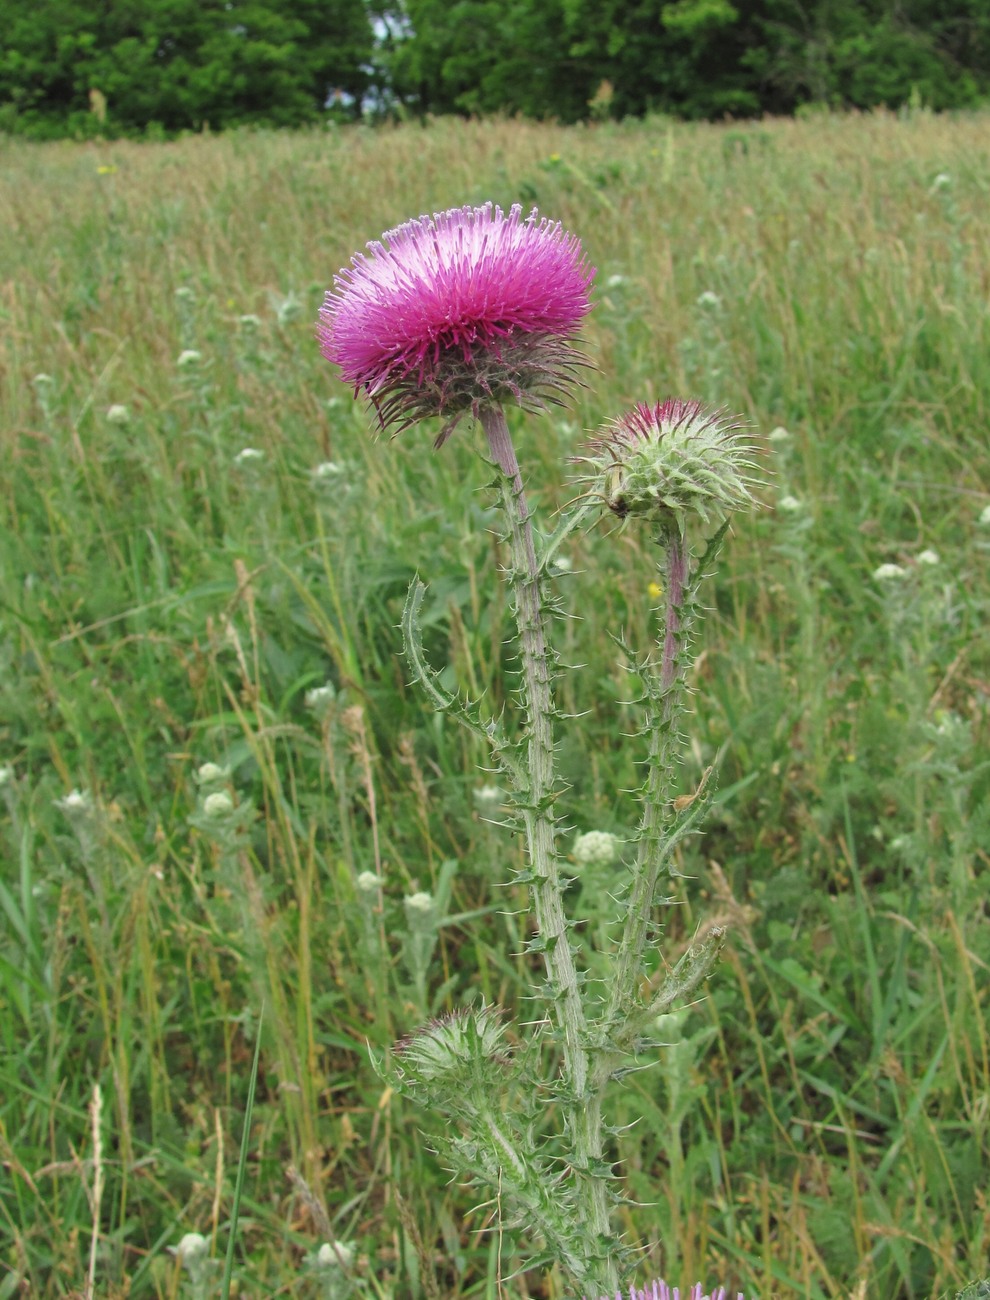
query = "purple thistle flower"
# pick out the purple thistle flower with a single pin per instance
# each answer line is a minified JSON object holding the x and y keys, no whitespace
{"x":659,"y":1290}
{"x":459,"y":311}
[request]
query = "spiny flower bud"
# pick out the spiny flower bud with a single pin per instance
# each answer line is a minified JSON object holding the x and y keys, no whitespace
{"x":670,"y":460}
{"x":455,"y":1051}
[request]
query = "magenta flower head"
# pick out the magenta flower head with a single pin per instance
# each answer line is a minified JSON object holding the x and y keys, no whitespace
{"x":458,"y":311}
{"x":670,"y":460}
{"x":659,"y":1290}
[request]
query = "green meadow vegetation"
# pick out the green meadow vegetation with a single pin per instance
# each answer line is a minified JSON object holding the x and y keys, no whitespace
{"x":198,"y":528}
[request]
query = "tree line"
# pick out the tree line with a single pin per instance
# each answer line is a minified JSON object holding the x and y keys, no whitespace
{"x":132,"y":67}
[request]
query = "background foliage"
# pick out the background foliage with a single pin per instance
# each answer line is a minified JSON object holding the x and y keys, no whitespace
{"x":132,"y":66}
{"x":818,"y":1127}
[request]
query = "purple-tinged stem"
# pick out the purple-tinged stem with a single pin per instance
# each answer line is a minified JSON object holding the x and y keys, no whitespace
{"x":677,"y":563}
{"x":650,"y":859}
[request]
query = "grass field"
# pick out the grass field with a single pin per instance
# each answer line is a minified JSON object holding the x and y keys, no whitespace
{"x":820,"y":1126}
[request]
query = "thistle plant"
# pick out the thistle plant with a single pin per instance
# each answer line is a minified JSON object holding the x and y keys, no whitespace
{"x":460,"y":315}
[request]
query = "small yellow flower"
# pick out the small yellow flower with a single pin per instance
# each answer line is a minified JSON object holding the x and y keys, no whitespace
{"x":105,"y":169}
{"x":654,"y":590}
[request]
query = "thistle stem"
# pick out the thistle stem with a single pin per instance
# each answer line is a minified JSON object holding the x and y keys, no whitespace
{"x":650,"y":860}
{"x":582,"y":1108}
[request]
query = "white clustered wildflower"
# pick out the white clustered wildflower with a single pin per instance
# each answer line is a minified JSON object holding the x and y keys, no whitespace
{"x":211,"y":773}
{"x":779,"y":435}
{"x":487,"y":798}
{"x":75,"y":803}
{"x":118,"y":414}
{"x":929,"y":557}
{"x":42,"y":380}
{"x":368,"y":882}
{"x":984,"y":519}
{"x":288,"y":310}
{"x":249,"y":321}
{"x":941,"y":182}
{"x":615,"y":281}
{"x":327,"y":472}
{"x":6,"y":775}
{"x":708,"y":300}
{"x":334,"y":1254}
{"x":247,"y":455}
{"x":218,"y":804}
{"x":421,"y":902}
{"x":185,"y":294}
{"x":320,"y":697}
{"x":189,"y":357}
{"x":192,"y":1247}
{"x":562,"y":564}
{"x":790,"y":505}
{"x":594,"y":849}
{"x":889,"y":573}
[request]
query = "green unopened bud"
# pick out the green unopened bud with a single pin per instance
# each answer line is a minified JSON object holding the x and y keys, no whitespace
{"x":671,"y":460}
{"x":455,"y":1052}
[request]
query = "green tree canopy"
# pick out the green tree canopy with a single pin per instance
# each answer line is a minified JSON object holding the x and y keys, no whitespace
{"x":182,"y":63}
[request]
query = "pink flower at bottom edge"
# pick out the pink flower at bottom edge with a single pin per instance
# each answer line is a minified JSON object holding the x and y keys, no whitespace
{"x":659,"y":1290}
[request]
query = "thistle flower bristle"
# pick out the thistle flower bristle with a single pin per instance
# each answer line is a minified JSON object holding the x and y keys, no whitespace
{"x":659,"y":1290}
{"x":454,"y":1051}
{"x":672,"y":459}
{"x":467,"y":308}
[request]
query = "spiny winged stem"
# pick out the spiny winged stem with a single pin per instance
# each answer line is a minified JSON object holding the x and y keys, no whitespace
{"x":583,"y":1111}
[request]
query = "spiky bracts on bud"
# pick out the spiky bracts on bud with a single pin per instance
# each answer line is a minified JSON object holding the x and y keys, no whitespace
{"x":670,"y":460}
{"x":458,"y":311}
{"x":454,"y":1054}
